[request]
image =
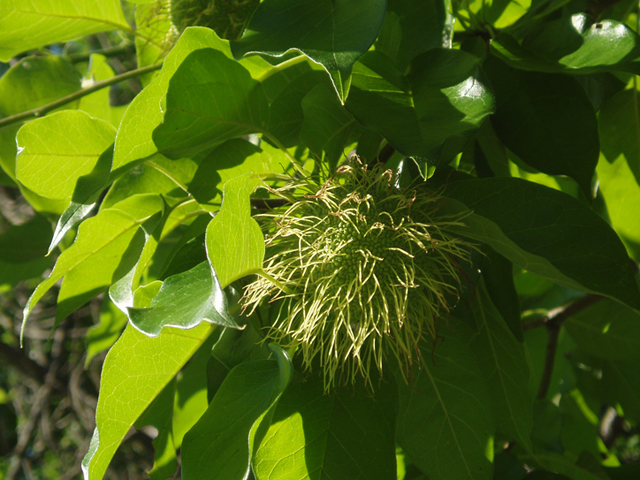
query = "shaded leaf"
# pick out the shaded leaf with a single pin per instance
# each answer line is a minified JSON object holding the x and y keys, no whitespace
{"x":102,"y":336}
{"x":332,"y":33}
{"x":434,"y":103}
{"x":348,"y":434}
{"x":497,"y":273}
{"x":607,"y":330}
{"x":412,"y":28}
{"x":446,"y":423}
{"x":549,"y":233}
{"x":572,"y":44}
{"x":221,"y":441}
{"x":210,"y":99}
{"x":547,"y":120}
{"x":504,"y":363}
{"x":327,"y":125}
{"x":28,"y":25}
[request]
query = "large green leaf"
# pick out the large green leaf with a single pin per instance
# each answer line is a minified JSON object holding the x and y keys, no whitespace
{"x":435,"y":102}
{"x":607,"y":330}
{"x":211,"y":98}
{"x":235,"y":244}
{"x":184,"y":301}
{"x":411,"y":28}
{"x":347,"y":434}
{"x":105,"y":236}
{"x":446,"y":424}
{"x":30,"y":83}
{"x":503,"y":360}
{"x":573,"y":44}
{"x":222,"y":441}
{"x":145,"y":113}
{"x":549,"y":233}
{"x":29,"y":24}
{"x":56,"y":150}
{"x":135,"y":371}
{"x":547,"y":120}
{"x":333,"y":33}
{"x":327,"y":125}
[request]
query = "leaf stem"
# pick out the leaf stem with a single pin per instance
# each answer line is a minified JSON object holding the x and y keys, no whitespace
{"x":43,"y":110}
{"x":553,"y":321}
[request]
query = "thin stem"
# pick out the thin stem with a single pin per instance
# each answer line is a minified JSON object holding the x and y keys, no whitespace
{"x":553,"y":321}
{"x":43,"y":110}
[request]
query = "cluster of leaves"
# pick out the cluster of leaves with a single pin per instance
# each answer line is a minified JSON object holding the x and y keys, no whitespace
{"x":524,"y":112}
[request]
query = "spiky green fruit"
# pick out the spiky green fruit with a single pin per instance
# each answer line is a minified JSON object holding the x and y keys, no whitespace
{"x":363,"y":271}
{"x":227,"y":17}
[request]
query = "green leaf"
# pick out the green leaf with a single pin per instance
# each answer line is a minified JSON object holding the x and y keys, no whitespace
{"x":348,"y":434}
{"x":107,"y":235}
{"x":190,"y":401}
{"x":221,"y":440}
{"x":503,"y":360}
{"x":579,"y":433}
{"x":128,"y":387}
{"x":158,"y":414}
{"x":566,"y":466}
{"x":102,"y":336}
{"x":573,"y":44}
{"x":235,"y":244}
{"x":146,"y":111}
{"x":497,"y":273}
{"x":184,"y":301}
{"x":210,"y":99}
{"x":333,"y":33}
{"x":547,"y":120}
{"x":327,"y":125}
{"x":446,"y":423}
{"x":547,"y":426}
{"x":26,"y":25}
{"x":619,"y":165}
{"x":549,"y":233}
{"x":231,"y":159}
{"x":411,"y":28}
{"x":434,"y":103}
{"x":85,"y":195}
{"x":56,"y":150}
{"x":30,"y":83}
{"x":22,"y":248}
{"x":607,"y":330}
{"x":286,"y":113}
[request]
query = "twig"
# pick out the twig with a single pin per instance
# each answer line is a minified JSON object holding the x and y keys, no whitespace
{"x":553,"y":321}
{"x":40,"y":111}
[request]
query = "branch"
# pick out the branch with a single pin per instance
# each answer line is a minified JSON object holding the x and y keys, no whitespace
{"x":43,"y":110}
{"x":553,"y":321}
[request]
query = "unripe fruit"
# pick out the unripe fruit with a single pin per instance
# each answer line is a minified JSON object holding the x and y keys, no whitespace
{"x":363,"y":271}
{"x":227,"y":17}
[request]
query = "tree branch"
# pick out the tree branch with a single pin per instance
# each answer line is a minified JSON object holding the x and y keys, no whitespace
{"x":553,"y":321}
{"x":43,"y":110}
